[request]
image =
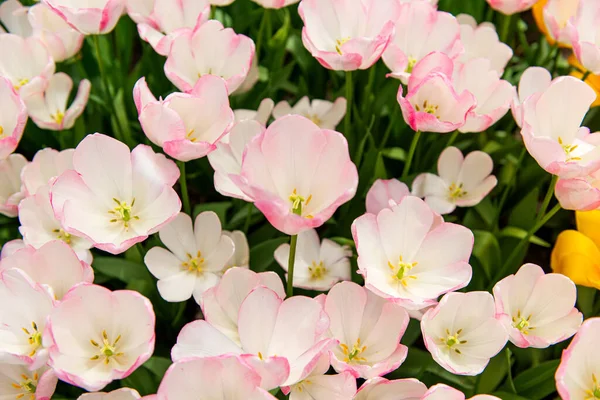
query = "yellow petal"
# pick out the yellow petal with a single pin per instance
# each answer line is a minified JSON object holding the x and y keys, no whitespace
{"x":576,"y":256}
{"x":588,"y":223}
{"x":592,"y":80}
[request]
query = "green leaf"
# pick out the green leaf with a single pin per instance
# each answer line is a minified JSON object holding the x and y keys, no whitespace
{"x":538,"y":382}
{"x":585,"y":300}
{"x":144,"y":381}
{"x":493,"y":374}
{"x":219,"y":208}
{"x":394,"y":153}
{"x":518,"y":233}
{"x":508,"y":396}
{"x":523,"y":215}
{"x":486,"y":211}
{"x":343,"y":241}
{"x":261,"y":256}
{"x":158,"y":365}
{"x":487,"y":250}
{"x":121,"y":269}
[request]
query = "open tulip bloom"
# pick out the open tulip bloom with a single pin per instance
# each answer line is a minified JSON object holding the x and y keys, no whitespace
{"x":385,"y":194}
{"x":325,"y":114}
{"x":13,"y":15}
{"x":317,"y":385}
{"x":90,"y":17}
{"x":510,"y":7}
{"x":534,"y":80}
{"x":30,"y":62}
{"x":11,"y":190}
{"x":12,"y":120}
{"x":120,"y":394}
{"x":19,"y":380}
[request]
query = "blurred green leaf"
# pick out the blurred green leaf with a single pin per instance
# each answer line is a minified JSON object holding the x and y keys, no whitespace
{"x":394,"y":153}
{"x":518,"y":233}
{"x":493,"y":375}
{"x":487,"y":250}
{"x":538,"y":382}
{"x":523,"y":215}
{"x":261,"y":255}
{"x":219,"y":208}
{"x":158,"y":365}
{"x":121,"y":269}
{"x":585,"y":300}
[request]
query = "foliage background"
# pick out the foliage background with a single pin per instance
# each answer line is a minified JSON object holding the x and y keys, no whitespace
{"x":380,"y":137}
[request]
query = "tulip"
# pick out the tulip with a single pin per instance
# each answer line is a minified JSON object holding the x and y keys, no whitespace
{"x":347,"y":35}
{"x":445,"y":392}
{"x":462,"y":181}
{"x":584,"y":35}
{"x":91,"y":349}
{"x":120,"y":394}
{"x":510,"y":7}
{"x":420,"y":30}
{"x":318,"y":265}
{"x":261,"y":115}
{"x":432,"y":103}
{"x":115,"y":197}
{"x":209,"y":49}
{"x":186,"y":125}
{"x":90,"y":17}
{"x":29,"y":64}
{"x":11,"y":192}
{"x":241,"y":254}
{"x":537,"y":309}
{"x":317,"y":385}
{"x":385,"y":194}
{"x":226,"y":377}
{"x":399,"y":389}
{"x":576,"y":375}
{"x":297,"y":174}
{"x":552,"y":17}
{"x":54,"y":265}
{"x":47,"y":105}
{"x":534,"y":80}
{"x":46,"y":165}
{"x":325,"y":114}
{"x":396,"y":256}
{"x":581,"y":194}
{"x":462,"y":333}
{"x":196,"y":258}
{"x":60,"y":38}
{"x":12,"y":120}
{"x":17,"y":381}
{"x":13,"y":15}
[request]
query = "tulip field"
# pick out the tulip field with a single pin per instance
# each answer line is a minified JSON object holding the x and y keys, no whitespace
{"x":299,"y":199}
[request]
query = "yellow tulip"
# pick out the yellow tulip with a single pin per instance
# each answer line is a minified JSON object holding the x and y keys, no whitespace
{"x":592,"y":80}
{"x":576,"y":254}
{"x":538,"y":14}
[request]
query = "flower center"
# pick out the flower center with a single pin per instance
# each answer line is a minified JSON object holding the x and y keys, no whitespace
{"x":123,"y":212}
{"x":298,"y":201}
{"x":452,"y":341}
{"x":194,"y":264}
{"x":521,"y":323}
{"x":455,"y":192}
{"x":428,"y":108}
{"x":411,"y":64}
{"x":353,"y":355}
{"x":315,"y":118}
{"x":317,"y":271}
{"x":27,"y":386}
{"x":58,"y":117}
{"x":34,"y":338}
{"x":1,"y":132}
{"x":595,"y":392}
{"x":399,"y":271}
{"x":339,"y":43}
{"x":108,"y":349}
{"x":190,"y":136}
{"x":62,"y":235}
{"x":568,"y":149}
{"x":22,"y":82}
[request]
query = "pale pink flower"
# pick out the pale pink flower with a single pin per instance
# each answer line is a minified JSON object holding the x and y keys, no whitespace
{"x":492,"y":94}
{"x":26,"y":306}
{"x":60,"y":38}
{"x":221,"y":304}
{"x":11,"y":191}
{"x":420,"y":30}
{"x":383,"y":389}
{"x":251,"y":79}
{"x":581,"y":194}
{"x":169,"y":18}
{"x":557,"y":14}
{"x":385,"y":194}
{"x":275,"y":3}
{"x":297,"y":174}
{"x":12,"y":119}
{"x":241,"y":254}
{"x":462,"y":333}
{"x":445,"y":392}
{"x":577,"y":375}
{"x":54,"y":265}
{"x":317,"y":385}
{"x":13,"y":15}
{"x":224,"y":377}
{"x":552,"y":129}
{"x":462,"y":181}
{"x":584,"y":35}
{"x":226,"y":160}
{"x":29,"y":64}
{"x":120,"y":394}
{"x":96,"y":336}
{"x":481,"y":41}
{"x":115,"y":197}
{"x":348,"y":34}
{"x":39,"y":225}
{"x":432,"y":104}
{"x":186,"y":125}
{"x":281,"y":340}
{"x":318,"y":265}
{"x":406,"y":254}
{"x":262,"y":114}
{"x":325,"y":114}
{"x":195,"y":259}
{"x":46,"y":164}
{"x":368,"y":329}
{"x":11,"y":247}
{"x":510,"y":7}
{"x":90,"y":17}
{"x":534,"y":80}
{"x":18,"y":382}
{"x":47,"y":103}
{"x":221,"y":3}
{"x":209,"y":49}
{"x":537,"y":309}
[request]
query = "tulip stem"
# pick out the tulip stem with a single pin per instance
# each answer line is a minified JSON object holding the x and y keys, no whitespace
{"x":511,"y":383}
{"x":249,"y":208}
{"x":586,"y":75}
{"x":349,"y":99}
{"x":547,"y":199}
{"x":411,"y":154}
{"x":261,"y":33}
{"x":452,"y":138}
{"x":291,"y":262}
{"x":184,"y":189}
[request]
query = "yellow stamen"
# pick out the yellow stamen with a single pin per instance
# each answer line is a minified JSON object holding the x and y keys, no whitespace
{"x":568,"y":149}
{"x":58,"y":117}
{"x":455,"y":192}
{"x":399,"y":271}
{"x":317,"y":271}
{"x":451,"y":341}
{"x":22,"y":82}
{"x":411,"y":64}
{"x":339,"y":43}
{"x":123,"y":212}
{"x":194,"y":263}
{"x":108,"y":351}
{"x":354,"y":354}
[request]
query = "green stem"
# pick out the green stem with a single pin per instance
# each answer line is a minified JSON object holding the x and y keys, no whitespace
{"x":547,"y":199}
{"x":249,"y":208}
{"x":507,"y":190}
{"x":291,"y":262}
{"x":452,"y":138}
{"x":556,"y":58}
{"x":511,"y":383}
{"x":505,"y":28}
{"x":349,"y":99}
{"x":368,"y":89}
{"x":261,"y":33}
{"x":388,"y":131}
{"x":184,"y":189}
{"x":586,"y":75}
{"x":411,"y":154}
